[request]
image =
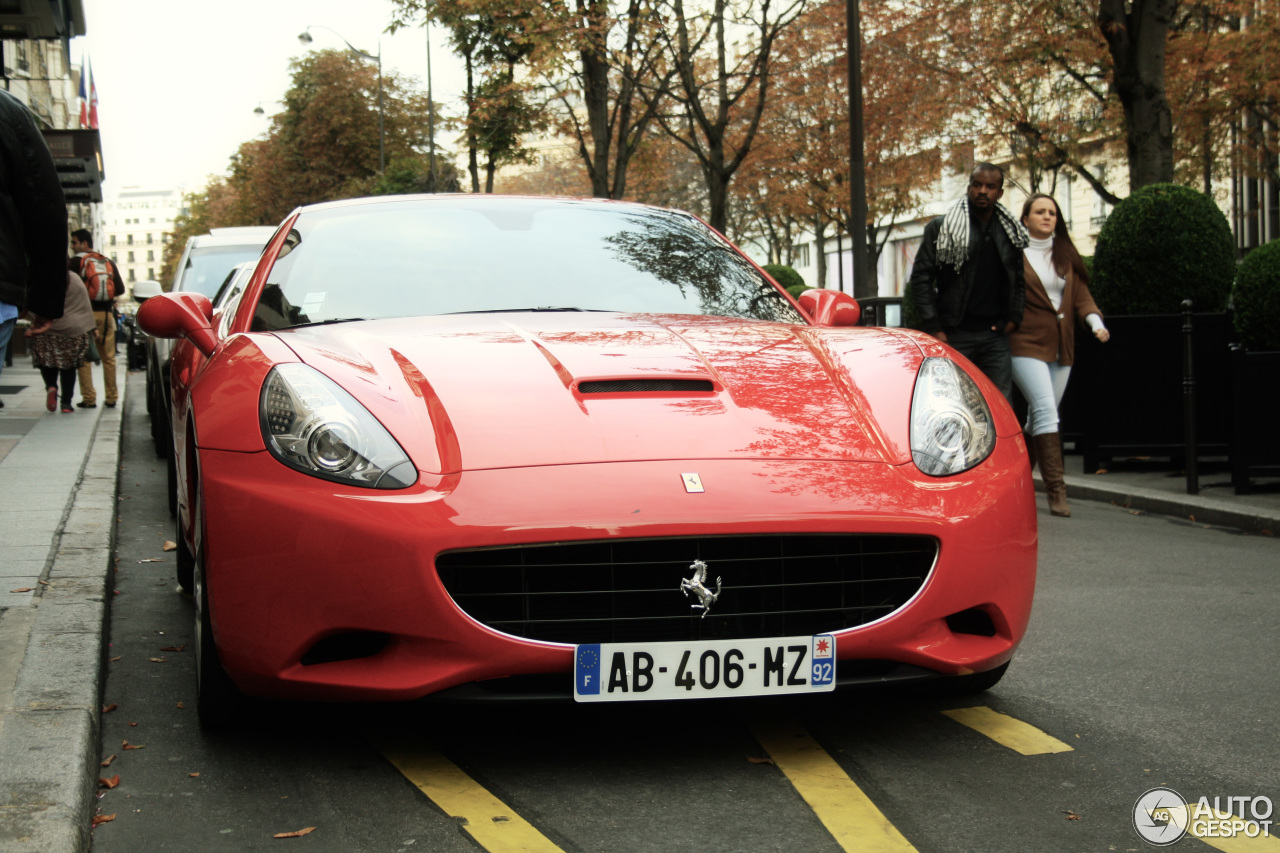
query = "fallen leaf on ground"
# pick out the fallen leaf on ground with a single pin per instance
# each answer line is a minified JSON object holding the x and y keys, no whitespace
{"x":128,"y":745}
{"x":298,"y":834}
{"x":193,"y":775}
{"x":43,"y":583}
{"x":157,"y":660}
{"x":173,"y":648}
{"x":103,"y":818}
{"x":117,"y":657}
{"x":110,"y":783}
{"x":1071,"y":815}
{"x":180,"y":705}
{"x":106,"y":762}
{"x":133,"y":724}
{"x":23,"y":589}
{"x":755,"y":760}
{"x":151,"y":560}
{"x":170,"y":546}
{"x":107,"y":709}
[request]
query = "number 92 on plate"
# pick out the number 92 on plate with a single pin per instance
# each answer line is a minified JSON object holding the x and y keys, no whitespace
{"x":633,"y":672}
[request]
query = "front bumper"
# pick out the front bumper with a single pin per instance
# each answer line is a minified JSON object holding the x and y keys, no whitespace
{"x":291,"y":560}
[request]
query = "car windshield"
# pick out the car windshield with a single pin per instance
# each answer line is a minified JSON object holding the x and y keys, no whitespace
{"x":207,"y":266}
{"x":452,"y":256}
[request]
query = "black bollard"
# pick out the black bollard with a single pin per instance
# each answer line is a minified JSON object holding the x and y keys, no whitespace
{"x":1189,"y":402}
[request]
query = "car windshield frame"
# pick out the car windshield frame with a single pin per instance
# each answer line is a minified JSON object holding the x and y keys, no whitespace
{"x":450,"y":256}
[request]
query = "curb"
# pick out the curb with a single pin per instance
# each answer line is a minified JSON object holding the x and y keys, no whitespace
{"x":49,"y":745}
{"x":1201,"y":510}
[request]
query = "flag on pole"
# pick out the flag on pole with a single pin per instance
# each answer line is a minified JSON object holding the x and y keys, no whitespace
{"x":84,"y":98}
{"x":93,"y":101}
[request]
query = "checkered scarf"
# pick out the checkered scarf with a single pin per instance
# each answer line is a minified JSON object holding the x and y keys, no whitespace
{"x":953,"y":239}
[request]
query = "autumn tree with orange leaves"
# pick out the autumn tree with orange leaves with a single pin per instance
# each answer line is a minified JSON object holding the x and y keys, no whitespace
{"x":800,"y":174}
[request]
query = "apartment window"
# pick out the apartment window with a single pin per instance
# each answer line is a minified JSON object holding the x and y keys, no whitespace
{"x":131,"y":278}
{"x":129,"y":239}
{"x":113,"y":239}
{"x":1100,"y":207}
{"x":131,"y":259}
{"x":151,"y":254}
{"x":800,"y":254}
{"x":151,"y":273}
{"x":151,"y":238}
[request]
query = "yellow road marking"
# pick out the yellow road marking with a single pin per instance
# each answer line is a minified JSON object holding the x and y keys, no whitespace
{"x":488,"y":820}
{"x":847,"y":813}
{"x":1006,"y":731}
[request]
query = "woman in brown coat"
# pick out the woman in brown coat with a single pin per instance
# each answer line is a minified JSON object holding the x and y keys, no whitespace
{"x":1044,"y":345}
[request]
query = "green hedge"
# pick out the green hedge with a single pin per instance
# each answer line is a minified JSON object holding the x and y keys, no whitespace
{"x":1255,"y":300}
{"x":796,"y":289}
{"x":1161,"y":245}
{"x":785,"y":276}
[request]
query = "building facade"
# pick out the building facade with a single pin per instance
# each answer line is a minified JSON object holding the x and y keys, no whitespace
{"x":136,"y":226}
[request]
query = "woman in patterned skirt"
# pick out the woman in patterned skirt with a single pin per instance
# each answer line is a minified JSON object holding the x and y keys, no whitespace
{"x":60,"y":351}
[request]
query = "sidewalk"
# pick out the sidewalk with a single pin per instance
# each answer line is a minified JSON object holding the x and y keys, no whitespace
{"x":58,"y":488}
{"x":57,"y":505}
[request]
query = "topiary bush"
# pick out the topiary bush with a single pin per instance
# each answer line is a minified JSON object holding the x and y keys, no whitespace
{"x":796,"y":289}
{"x":1163,"y":244}
{"x":785,"y":276}
{"x":1255,"y":300}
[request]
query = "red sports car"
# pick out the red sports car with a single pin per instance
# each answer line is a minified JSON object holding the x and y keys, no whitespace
{"x":474,"y":446}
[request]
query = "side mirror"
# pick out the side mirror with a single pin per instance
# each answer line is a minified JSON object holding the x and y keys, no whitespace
{"x":144,"y":290}
{"x":830,"y":307}
{"x":180,"y":315}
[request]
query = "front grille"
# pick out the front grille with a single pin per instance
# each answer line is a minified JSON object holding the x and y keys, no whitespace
{"x":628,"y":590}
{"x":631,"y":386}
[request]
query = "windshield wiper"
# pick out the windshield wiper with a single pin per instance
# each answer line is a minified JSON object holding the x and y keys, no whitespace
{"x":327,"y":322}
{"x":542,"y":308}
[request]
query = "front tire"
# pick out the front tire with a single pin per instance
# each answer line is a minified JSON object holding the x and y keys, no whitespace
{"x":219,"y":703}
{"x":967,"y":685}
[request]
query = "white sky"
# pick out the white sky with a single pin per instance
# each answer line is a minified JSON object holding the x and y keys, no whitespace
{"x":178,"y":79}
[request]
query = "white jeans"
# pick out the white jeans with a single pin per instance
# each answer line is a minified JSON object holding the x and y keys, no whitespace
{"x":1043,"y":384}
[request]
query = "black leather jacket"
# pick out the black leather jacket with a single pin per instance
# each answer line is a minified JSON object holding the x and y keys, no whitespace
{"x":941,"y":294}
{"x":33,"y":216}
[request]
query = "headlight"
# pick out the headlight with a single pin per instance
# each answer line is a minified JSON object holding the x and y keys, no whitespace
{"x":951,"y":427}
{"x":310,"y":423}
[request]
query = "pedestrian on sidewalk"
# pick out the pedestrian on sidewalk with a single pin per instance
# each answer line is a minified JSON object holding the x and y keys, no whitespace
{"x":102,"y":277}
{"x":60,"y":350}
{"x":33,"y":223}
{"x":967,"y":281}
{"x":1044,"y":345}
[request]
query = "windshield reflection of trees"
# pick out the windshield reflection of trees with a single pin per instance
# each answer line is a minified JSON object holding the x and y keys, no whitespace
{"x":678,"y":251}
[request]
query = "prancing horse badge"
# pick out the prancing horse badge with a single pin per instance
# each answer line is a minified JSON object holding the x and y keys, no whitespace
{"x":692,"y":483}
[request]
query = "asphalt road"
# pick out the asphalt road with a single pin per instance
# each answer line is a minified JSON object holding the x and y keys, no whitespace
{"x":1150,"y":661}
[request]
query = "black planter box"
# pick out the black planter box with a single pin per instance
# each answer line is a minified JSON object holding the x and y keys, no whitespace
{"x":1125,"y":397}
{"x":1255,"y":451}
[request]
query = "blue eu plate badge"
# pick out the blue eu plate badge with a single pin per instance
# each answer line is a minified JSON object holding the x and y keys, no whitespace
{"x":587,"y":669}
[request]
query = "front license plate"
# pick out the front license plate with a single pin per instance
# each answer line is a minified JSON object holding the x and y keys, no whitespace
{"x":632,"y":672}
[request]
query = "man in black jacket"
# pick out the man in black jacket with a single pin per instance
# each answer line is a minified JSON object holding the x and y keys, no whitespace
{"x":967,"y":281}
{"x":33,"y":224}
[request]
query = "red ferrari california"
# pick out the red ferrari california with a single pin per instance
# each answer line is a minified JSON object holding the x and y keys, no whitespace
{"x":479,"y":446}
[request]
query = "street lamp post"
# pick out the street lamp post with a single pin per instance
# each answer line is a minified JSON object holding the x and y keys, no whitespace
{"x":305,"y":38}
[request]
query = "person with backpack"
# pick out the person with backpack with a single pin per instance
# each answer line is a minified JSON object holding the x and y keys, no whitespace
{"x":102,"y":277}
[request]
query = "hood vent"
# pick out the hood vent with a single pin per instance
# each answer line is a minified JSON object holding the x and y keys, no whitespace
{"x":632,"y":386}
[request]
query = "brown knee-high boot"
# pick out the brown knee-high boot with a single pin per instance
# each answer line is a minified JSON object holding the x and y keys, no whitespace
{"x":1049,"y":452}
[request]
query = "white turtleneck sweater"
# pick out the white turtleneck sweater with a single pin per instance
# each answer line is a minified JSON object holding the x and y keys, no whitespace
{"x":1040,"y":255}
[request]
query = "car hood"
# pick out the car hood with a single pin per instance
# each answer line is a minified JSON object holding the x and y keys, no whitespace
{"x":478,"y":391}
